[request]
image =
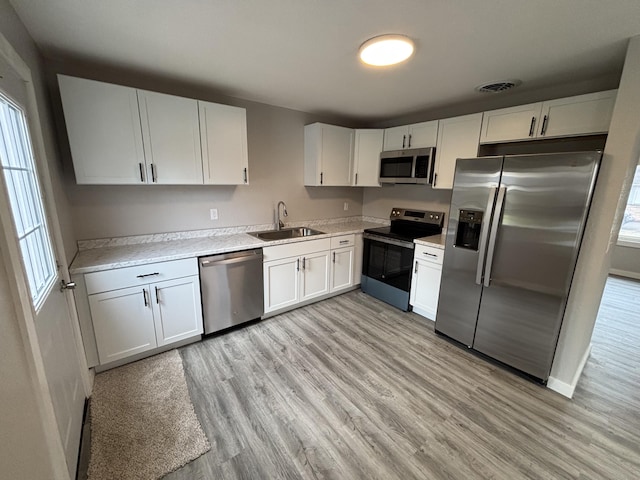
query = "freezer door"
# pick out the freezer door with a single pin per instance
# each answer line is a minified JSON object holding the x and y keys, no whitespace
{"x":474,"y":190}
{"x":545,"y":207}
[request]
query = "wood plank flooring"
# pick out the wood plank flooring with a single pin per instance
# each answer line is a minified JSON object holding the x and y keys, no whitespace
{"x":351,"y":388}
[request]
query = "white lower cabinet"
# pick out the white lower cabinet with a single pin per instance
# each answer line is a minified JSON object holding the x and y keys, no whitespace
{"x":425,"y":283}
{"x":343,"y":262}
{"x":136,"y":309}
{"x":314,"y":276}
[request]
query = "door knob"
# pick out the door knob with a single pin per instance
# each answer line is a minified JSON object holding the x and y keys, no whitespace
{"x":67,"y":285}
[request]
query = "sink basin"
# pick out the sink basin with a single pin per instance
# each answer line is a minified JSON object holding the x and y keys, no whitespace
{"x":286,"y":233}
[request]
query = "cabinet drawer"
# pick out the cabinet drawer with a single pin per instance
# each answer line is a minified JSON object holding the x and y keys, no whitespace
{"x":139,"y":275}
{"x":295,"y":249}
{"x":429,"y":254}
{"x":343,"y":241}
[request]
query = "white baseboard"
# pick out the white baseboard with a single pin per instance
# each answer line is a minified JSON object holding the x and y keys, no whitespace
{"x":429,"y":315}
{"x":625,"y":273}
{"x":567,"y":389}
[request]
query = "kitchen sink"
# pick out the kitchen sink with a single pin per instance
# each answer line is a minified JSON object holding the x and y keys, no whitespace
{"x":286,"y":233}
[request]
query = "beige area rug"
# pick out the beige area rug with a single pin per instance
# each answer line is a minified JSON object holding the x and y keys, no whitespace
{"x":143,"y":425}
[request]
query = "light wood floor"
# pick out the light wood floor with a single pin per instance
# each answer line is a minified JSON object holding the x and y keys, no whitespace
{"x":350,"y":388}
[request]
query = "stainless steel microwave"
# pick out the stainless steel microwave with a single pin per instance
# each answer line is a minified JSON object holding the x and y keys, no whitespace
{"x":408,"y":166}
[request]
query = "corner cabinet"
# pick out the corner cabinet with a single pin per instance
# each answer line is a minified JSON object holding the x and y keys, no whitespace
{"x":416,"y":135}
{"x":425,"y":282}
{"x":366,"y":157}
{"x":328,"y":155}
{"x":138,"y":309}
{"x":458,"y":137}
{"x":223,"y":132}
{"x":121,"y":135}
{"x":588,"y":114}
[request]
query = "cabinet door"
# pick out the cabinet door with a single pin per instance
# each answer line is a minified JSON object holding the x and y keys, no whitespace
{"x":425,"y":288}
{"x":342,"y":268}
{"x":337,"y":152}
{"x":281,"y":284}
{"x":395,"y":138}
{"x":223,"y":131}
{"x":366,"y":157}
{"x":510,"y":124}
{"x":177,"y":310}
{"x":580,"y":115}
{"x":458,"y":137}
{"x":423,"y":135}
{"x":122,"y":322}
{"x":171,"y":133}
{"x":315,"y":275}
{"x":103,"y":125}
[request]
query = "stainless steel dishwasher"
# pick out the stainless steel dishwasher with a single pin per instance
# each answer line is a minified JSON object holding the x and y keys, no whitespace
{"x":232,"y":289}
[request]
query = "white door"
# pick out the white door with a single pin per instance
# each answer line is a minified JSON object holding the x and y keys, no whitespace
{"x":395,"y":138}
{"x":223,"y":131}
{"x":423,"y":135}
{"x":342,"y":268}
{"x":425,"y":288}
{"x":177,"y":309}
{"x":315,"y":275}
{"x":122,"y":322}
{"x":510,"y":124}
{"x":171,"y":135}
{"x":33,"y":232}
{"x":337,"y":152}
{"x":366,"y":157}
{"x":281,"y":284}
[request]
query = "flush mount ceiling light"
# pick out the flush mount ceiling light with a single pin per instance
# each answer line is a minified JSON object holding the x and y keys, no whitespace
{"x":386,"y":50}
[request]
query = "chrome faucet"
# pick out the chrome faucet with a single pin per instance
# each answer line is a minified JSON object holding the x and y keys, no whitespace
{"x":280,"y":223}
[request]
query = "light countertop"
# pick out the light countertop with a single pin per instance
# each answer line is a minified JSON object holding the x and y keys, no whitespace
{"x":436,"y":241}
{"x":109,"y":257}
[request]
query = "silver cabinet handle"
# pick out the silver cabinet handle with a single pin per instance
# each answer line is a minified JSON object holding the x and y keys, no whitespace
{"x":245,"y":175}
{"x":157,"y":296}
{"x":153,"y":173}
{"x":495,"y":223}
{"x":342,"y":242}
{"x":409,"y":144}
{"x":297,"y":265}
{"x":435,"y":179}
{"x":334,"y":257}
{"x":141,"y":172}
{"x":321,"y":174}
{"x":415,"y":270}
{"x":404,"y":137}
{"x":304,"y":261}
{"x":430,"y":254}
{"x":533,"y":124}
{"x":543,"y":130}
{"x":147,"y":275}
{"x":144,"y":295}
{"x":356,"y":178}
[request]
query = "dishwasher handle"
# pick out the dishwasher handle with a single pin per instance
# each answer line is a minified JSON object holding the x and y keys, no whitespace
{"x":227,"y":259}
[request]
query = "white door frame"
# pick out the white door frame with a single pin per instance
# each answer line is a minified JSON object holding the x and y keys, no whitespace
{"x":19,"y":288}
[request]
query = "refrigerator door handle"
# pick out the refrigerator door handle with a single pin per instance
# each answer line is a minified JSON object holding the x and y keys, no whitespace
{"x":495,"y":223}
{"x":484,"y":233}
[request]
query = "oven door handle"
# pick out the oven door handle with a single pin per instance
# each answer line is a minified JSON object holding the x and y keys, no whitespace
{"x":391,"y":241}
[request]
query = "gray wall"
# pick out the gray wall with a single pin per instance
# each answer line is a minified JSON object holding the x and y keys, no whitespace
{"x":24,"y":452}
{"x":626,"y":260}
{"x":276,"y":155}
{"x":378,"y":202}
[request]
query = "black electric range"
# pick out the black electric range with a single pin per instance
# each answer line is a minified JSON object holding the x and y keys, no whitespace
{"x":388,"y":254}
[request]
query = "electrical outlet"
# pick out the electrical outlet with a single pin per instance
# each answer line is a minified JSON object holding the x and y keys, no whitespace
{"x":346,"y":206}
{"x":214,"y":213}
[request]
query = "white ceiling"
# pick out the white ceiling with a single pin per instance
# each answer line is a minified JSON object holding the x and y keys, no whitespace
{"x":302,"y":54}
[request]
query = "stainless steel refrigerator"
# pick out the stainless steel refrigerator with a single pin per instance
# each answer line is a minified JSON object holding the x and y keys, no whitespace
{"x":514,"y":232}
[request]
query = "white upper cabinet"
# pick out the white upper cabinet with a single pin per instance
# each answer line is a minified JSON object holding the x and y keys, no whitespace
{"x":366,"y":157}
{"x":458,"y":137}
{"x":580,"y":115}
{"x":103,"y":124}
{"x":328,"y":154}
{"x":223,"y":131}
{"x":511,"y":124}
{"x":416,"y":135}
{"x":171,"y":133}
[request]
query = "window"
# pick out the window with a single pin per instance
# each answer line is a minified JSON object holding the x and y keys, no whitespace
{"x":25,"y":199}
{"x":630,"y":230}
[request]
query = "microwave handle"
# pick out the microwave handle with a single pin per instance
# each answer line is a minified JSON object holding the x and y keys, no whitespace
{"x":432,"y":169}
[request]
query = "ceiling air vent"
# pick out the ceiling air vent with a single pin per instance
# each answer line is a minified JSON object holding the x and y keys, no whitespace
{"x":497,"y":87}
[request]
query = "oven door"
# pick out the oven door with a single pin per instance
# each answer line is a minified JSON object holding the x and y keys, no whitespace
{"x":386,"y":269}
